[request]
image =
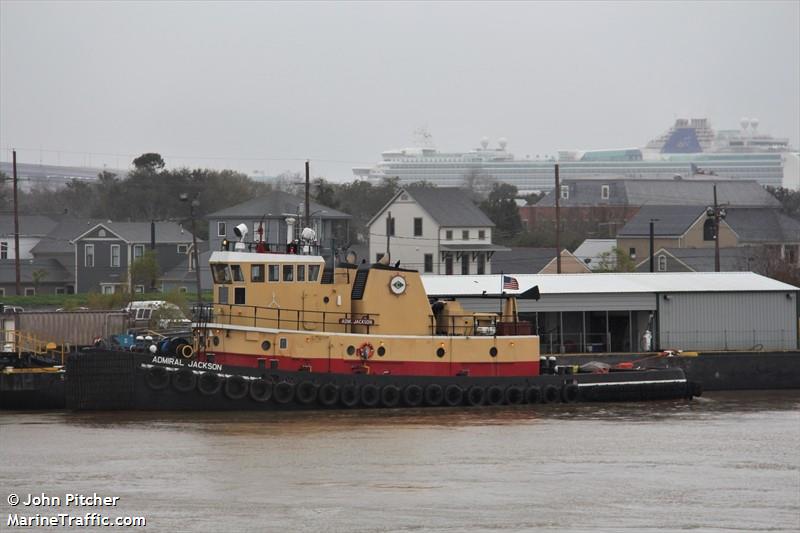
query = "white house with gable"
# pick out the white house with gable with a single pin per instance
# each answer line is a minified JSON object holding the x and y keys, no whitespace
{"x":436,"y":230}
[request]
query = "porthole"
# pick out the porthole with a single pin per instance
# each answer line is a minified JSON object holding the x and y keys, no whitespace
{"x":266,"y":345}
{"x":381,"y":351}
{"x":493,"y":351}
{"x":215,"y":340}
{"x":351,"y":350}
{"x":326,"y":300}
{"x":440,"y":352}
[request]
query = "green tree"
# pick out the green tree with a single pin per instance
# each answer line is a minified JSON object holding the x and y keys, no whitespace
{"x":789,"y":199}
{"x":324,"y":193}
{"x":616,"y":260}
{"x":151,"y":161}
{"x":145,"y":270}
{"x":501,"y":208}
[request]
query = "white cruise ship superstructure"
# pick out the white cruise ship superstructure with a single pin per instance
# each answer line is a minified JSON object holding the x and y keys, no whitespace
{"x":689,"y":147}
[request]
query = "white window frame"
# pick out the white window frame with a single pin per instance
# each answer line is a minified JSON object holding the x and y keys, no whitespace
{"x":61,"y":290}
{"x":565,"y":192}
{"x":138,"y":289}
{"x":86,"y":255}
{"x":140,"y":254}
{"x":111,"y":255}
{"x":605,"y":192}
{"x":182,"y":290}
{"x":662,"y":263}
{"x":30,"y":291}
{"x":104,"y":288}
{"x":4,"y":250}
{"x":2,"y":291}
{"x":182,"y":248}
{"x":222,"y":229}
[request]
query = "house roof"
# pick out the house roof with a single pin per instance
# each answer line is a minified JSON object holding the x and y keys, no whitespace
{"x":181,"y":273}
{"x":592,"y":249}
{"x":56,"y":273}
{"x":763,"y":225}
{"x":522,"y":260}
{"x":276,"y":204}
{"x":470,"y":247}
{"x":671,"y":220}
{"x":29,"y":225}
{"x":139,"y":232}
{"x":57,"y":241}
{"x":448,"y":206}
{"x":639,"y":192}
{"x":702,"y":259}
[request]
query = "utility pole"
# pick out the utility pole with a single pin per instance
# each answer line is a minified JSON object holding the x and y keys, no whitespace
{"x":558,"y":222}
{"x":388,"y":235}
{"x":652,"y":244}
{"x":716,"y":231}
{"x":16,"y":224}
{"x":195,"y":202}
{"x":308,"y":186}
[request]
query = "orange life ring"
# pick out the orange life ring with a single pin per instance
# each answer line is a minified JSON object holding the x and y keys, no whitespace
{"x":365,"y":351}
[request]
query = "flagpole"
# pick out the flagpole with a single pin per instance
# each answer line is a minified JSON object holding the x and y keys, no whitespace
{"x":502,"y":276}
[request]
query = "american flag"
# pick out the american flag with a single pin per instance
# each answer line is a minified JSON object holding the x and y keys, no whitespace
{"x":510,"y":283}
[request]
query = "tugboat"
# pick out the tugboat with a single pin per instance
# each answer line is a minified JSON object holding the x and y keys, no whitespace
{"x":291,"y":330}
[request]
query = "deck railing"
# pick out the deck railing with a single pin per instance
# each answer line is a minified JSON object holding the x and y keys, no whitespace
{"x":287,"y":318}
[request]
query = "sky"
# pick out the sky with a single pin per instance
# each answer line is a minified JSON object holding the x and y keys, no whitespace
{"x":264,"y":86}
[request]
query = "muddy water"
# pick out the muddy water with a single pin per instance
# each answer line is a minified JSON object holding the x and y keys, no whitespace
{"x":725,"y":462}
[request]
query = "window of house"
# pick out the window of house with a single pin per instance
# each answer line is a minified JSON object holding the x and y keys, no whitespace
{"x":183,"y":248}
{"x":138,"y":251}
{"x":107,"y":289}
{"x":115,"y":255}
{"x":257,"y":273}
{"x":221,"y":230}
{"x":3,"y":250}
{"x":417,"y":227}
{"x":465,"y":235}
{"x":59,"y":290}
{"x":2,"y":291}
{"x":448,"y":235}
{"x":632,"y":253}
{"x":662,"y":263}
{"x":30,"y":291}
{"x":139,"y":289}
{"x":301,"y":272}
{"x":428,"y":262}
{"x":604,"y":192}
{"x":313,"y":272}
{"x":481,"y":234}
{"x":101,"y":232}
{"x":288,"y":272}
{"x":274,"y":273}
{"x":88,"y":255}
{"x":565,"y":192}
{"x":182,"y":290}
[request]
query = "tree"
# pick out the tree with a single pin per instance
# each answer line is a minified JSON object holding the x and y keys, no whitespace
{"x":38,"y":276}
{"x":501,"y":208}
{"x":324,"y":193}
{"x":789,"y":199}
{"x":616,"y":260}
{"x":151,"y":162}
{"x":145,"y":270}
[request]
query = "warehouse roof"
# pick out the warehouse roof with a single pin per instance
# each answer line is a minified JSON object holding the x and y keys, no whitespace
{"x":600,"y":283}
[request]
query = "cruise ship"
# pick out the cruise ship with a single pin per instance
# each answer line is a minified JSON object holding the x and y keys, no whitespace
{"x":689,"y":147}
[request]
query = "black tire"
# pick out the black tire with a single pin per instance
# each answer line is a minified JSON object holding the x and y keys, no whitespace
{"x":261,"y":390}
{"x":283,"y":392}
{"x":495,"y":395}
{"x":476,"y":395}
{"x":349,"y":395}
{"x":370,"y":395}
{"x":306,"y":393}
{"x":695,"y":389}
{"x":390,"y":396}
{"x":570,"y":393}
{"x":453,"y":395}
{"x":184,"y":380}
{"x":550,"y":394}
{"x":412,"y":395}
{"x":514,"y":395}
{"x":157,"y":377}
{"x":236,"y":387}
{"x":328,"y":394}
{"x":209,"y":383}
{"x":434,"y":394}
{"x":533,"y":394}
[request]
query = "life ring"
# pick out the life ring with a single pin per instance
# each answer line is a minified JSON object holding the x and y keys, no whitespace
{"x":209,"y":383}
{"x":475,"y":395}
{"x":434,"y":394}
{"x":157,"y":377}
{"x":365,"y":351}
{"x":328,"y":394}
{"x":550,"y":394}
{"x":370,"y":395}
{"x":236,"y":387}
{"x":570,"y":393}
{"x":495,"y":395}
{"x":306,"y":392}
{"x":283,"y":392}
{"x":184,"y":380}
{"x":514,"y":395}
{"x":412,"y":395}
{"x":533,"y":394}
{"x":349,"y":395}
{"x":390,"y":396}
{"x":453,"y":395}
{"x":261,"y":390}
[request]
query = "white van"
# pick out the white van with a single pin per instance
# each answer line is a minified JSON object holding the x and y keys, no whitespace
{"x":156,"y":313}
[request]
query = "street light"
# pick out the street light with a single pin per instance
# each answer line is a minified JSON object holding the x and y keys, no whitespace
{"x":192,"y":205}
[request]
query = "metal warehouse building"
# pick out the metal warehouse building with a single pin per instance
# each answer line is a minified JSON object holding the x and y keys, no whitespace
{"x":610,"y":312}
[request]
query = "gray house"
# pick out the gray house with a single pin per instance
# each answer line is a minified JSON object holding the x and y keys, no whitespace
{"x":272,"y":213}
{"x":37,"y":276}
{"x":104,"y":253}
{"x":183,"y":278}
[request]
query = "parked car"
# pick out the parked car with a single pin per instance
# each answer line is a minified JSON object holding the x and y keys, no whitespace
{"x":156,"y":314}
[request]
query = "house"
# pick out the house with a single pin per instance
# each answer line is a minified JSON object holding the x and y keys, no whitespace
{"x":105,"y":252}
{"x":597,"y":254}
{"x":273,"y":213}
{"x":537,"y":261}
{"x":32,"y":228}
{"x":37,"y":276}
{"x":434,"y":230}
{"x":741,"y":259}
{"x":183,"y":278}
{"x":57,"y":246}
{"x":613,"y":202}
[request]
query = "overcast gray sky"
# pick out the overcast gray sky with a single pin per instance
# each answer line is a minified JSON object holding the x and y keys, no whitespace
{"x":341,"y":82}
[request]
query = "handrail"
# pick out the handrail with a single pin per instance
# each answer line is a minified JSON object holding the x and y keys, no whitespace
{"x":277,"y":317}
{"x":27,"y":343}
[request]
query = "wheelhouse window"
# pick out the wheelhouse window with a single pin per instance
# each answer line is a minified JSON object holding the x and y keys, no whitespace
{"x":313,"y":272}
{"x":236,"y":271}
{"x":257,"y":273}
{"x":221,"y":273}
{"x":88,"y":255}
{"x":222,"y":295}
{"x":301,"y":272}
{"x":274,"y":273}
{"x":288,"y":272}
{"x":238,"y":295}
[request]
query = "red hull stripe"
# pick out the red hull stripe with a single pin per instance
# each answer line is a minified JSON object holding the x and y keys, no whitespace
{"x":376,"y":366}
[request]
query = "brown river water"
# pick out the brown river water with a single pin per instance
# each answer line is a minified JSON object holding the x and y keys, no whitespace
{"x":724,"y":462}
